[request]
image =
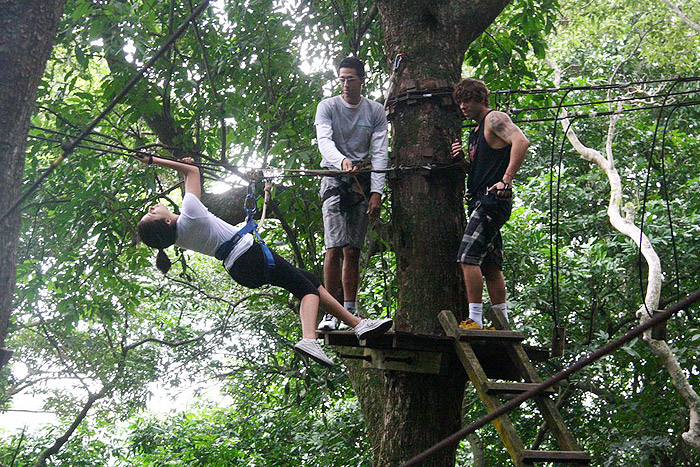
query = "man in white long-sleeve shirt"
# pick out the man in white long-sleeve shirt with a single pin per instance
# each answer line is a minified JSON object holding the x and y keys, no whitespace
{"x":350,"y":129}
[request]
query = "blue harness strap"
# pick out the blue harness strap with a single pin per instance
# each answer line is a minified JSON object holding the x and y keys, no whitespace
{"x":250,"y":227}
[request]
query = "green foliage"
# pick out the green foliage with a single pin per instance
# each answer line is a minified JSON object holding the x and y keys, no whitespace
{"x":502,"y":56}
{"x":269,"y":429}
{"x":94,"y":314}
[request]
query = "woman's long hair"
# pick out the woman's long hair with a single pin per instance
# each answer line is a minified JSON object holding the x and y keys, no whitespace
{"x":158,"y":234}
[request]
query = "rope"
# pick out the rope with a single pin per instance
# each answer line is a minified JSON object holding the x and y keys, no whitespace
{"x":644,"y":202}
{"x":600,"y":114}
{"x":554,"y":228}
{"x":266,"y":200}
{"x":69,"y":146}
{"x":688,"y":79}
{"x":597,"y":354}
{"x":668,"y":205}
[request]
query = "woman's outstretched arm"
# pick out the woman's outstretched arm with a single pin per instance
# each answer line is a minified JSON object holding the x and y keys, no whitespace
{"x":185,"y":166}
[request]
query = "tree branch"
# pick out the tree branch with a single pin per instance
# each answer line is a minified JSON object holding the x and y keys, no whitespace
{"x":682,"y":16}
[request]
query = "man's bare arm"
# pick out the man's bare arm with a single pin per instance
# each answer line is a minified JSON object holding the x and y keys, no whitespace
{"x":502,"y":128}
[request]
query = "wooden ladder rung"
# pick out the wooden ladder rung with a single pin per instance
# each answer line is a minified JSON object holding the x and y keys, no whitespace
{"x":481,"y":335}
{"x":569,"y":457}
{"x":496,"y":387}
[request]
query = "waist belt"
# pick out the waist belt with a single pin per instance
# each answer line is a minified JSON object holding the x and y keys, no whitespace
{"x":352,"y":190}
{"x":251,"y":226}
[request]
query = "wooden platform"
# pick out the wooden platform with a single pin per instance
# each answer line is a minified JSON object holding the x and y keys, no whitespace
{"x":424,"y":353}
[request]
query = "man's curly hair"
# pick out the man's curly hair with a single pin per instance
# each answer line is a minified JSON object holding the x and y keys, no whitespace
{"x":471,"y":90}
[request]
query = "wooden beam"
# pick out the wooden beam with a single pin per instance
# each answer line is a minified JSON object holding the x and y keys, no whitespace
{"x":497,"y":387}
{"x":406,"y":360}
{"x":568,"y":457}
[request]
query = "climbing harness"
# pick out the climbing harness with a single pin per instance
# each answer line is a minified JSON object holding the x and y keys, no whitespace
{"x":250,"y":227}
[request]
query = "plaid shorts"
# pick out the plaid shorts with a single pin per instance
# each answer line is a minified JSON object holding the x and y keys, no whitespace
{"x":482,"y":242}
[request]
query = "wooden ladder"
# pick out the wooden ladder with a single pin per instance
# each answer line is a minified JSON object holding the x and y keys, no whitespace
{"x":490,"y":391}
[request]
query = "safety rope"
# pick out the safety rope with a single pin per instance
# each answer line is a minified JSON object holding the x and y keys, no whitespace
{"x":554,"y":225}
{"x":668,"y":204}
{"x":645,"y":197}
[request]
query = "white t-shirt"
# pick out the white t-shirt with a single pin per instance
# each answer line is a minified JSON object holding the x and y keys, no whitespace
{"x":353,"y":131}
{"x":203,"y":232}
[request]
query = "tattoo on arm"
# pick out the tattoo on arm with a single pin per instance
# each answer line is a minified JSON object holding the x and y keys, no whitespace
{"x":503,"y":127}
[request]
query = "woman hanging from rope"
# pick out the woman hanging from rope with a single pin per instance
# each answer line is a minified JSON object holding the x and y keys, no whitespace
{"x":195,"y":228}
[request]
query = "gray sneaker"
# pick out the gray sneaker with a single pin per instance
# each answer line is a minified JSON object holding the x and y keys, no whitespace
{"x":314,"y":351}
{"x":368,"y":328}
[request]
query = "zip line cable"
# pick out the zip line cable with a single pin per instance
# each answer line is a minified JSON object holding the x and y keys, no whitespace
{"x":515,"y":111}
{"x":668,"y":204}
{"x":687,"y":79}
{"x":594,"y":114}
{"x":645,"y":197}
{"x":290,"y":173}
{"x":323,"y":172}
{"x":69,"y":146}
{"x":541,"y":387}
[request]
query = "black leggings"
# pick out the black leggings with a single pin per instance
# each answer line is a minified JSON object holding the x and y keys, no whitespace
{"x":249,"y":271}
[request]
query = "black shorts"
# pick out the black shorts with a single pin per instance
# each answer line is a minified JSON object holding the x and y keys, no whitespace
{"x":249,"y":271}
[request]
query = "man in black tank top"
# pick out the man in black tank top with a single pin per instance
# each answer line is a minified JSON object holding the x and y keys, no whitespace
{"x":496,"y":151}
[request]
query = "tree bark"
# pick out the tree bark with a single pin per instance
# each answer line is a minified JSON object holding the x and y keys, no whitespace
{"x":27,"y":30}
{"x":418,"y":409}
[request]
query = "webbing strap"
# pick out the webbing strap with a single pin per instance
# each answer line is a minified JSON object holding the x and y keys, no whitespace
{"x":269,"y":260}
{"x":250,"y":227}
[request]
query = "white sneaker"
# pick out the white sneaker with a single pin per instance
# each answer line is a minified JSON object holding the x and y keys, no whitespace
{"x":314,"y":351}
{"x":342,"y":326}
{"x":368,"y":328}
{"x":328,"y":323}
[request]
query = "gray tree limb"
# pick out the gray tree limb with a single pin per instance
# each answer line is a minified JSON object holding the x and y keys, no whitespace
{"x":682,"y":16}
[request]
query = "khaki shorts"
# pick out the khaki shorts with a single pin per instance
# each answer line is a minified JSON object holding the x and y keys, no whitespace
{"x":343,"y":227}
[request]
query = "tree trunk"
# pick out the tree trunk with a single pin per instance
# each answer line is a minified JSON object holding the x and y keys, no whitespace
{"x":27,"y":30}
{"x":428,"y":215}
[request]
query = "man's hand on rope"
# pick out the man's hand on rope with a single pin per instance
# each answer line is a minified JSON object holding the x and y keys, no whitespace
{"x":348,"y":167}
{"x":374,"y":206}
